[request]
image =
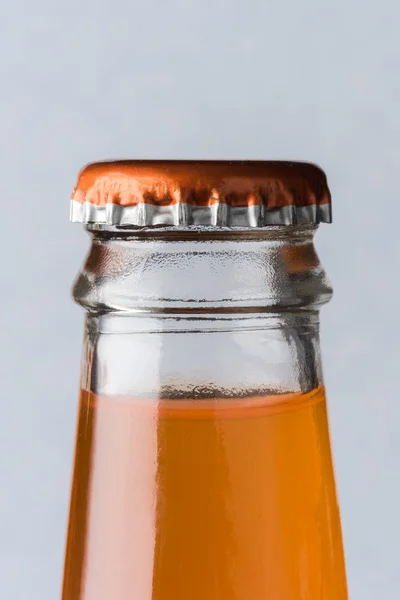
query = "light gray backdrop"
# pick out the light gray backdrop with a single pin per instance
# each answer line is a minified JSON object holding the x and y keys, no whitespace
{"x":84,"y":80}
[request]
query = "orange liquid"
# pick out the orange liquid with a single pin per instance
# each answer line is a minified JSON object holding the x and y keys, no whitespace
{"x":204,"y":500}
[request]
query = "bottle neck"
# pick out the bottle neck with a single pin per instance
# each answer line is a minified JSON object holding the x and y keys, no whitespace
{"x":253,"y":299}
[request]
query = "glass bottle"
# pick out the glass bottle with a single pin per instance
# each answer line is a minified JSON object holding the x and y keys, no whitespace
{"x":203,"y":467}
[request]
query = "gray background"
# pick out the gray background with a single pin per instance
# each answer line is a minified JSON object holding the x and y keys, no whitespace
{"x":85,"y":80}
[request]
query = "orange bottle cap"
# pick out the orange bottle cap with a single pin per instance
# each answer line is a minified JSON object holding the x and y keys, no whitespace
{"x":201,"y":193}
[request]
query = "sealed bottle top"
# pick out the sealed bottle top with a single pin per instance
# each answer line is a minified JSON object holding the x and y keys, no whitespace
{"x":203,"y":465}
{"x":235,"y":194}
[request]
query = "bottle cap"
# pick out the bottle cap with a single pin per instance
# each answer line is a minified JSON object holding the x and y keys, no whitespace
{"x":234,"y":194}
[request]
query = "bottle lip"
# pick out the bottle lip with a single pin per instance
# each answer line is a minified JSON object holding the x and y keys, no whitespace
{"x":172,"y":233}
{"x":233,"y":194}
